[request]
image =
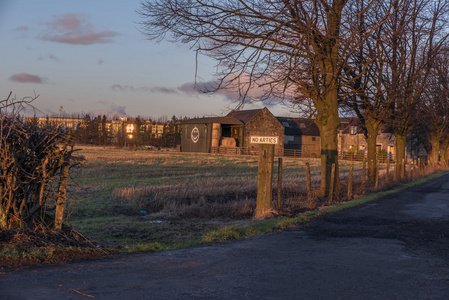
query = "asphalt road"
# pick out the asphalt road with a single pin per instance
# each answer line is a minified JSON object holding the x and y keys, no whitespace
{"x":395,"y":248}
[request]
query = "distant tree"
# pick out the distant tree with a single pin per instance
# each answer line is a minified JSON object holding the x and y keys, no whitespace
{"x":171,"y":136}
{"x":140,"y":132}
{"x":104,"y":131}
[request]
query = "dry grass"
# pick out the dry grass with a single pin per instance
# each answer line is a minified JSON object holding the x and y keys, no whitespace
{"x":133,"y":197}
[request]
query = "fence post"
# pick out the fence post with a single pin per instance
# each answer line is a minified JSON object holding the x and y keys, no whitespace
{"x":62,"y":194}
{"x":351,"y":171}
{"x":264,"y":180}
{"x":403,"y":173}
{"x":331,"y":190}
{"x":387,"y":174}
{"x":395,"y":171}
{"x":376,"y":182}
{"x":363,"y":176}
{"x":279,"y":183}
{"x":310,"y":203}
{"x":410,"y":169}
{"x":419,"y":167}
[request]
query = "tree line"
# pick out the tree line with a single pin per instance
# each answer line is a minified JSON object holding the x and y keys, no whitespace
{"x":385,"y":62}
{"x":133,"y":132}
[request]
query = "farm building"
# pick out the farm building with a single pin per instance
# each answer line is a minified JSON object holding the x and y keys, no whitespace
{"x":202,"y":134}
{"x":232,"y":134}
{"x":352,"y":138}
{"x":300,"y":135}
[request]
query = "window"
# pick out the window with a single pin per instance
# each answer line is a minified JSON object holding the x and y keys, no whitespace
{"x":313,"y":138}
{"x":353,"y":129}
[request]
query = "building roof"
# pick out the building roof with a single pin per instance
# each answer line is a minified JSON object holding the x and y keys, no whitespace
{"x":299,"y":126}
{"x":221,"y":120}
{"x":244,"y":116}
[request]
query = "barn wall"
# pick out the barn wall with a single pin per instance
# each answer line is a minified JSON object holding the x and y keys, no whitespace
{"x":196,"y":138}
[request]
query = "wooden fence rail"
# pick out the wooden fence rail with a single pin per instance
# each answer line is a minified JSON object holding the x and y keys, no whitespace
{"x":298,"y":153}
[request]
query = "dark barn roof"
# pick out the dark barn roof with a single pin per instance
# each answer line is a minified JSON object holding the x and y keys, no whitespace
{"x":299,"y":126}
{"x":244,"y":116}
{"x":221,"y":120}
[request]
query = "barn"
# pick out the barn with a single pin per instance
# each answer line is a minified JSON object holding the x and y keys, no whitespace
{"x":233,"y":131}
{"x":202,"y":134}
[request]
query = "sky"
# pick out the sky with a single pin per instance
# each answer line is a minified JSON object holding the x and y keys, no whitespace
{"x":89,"y":56}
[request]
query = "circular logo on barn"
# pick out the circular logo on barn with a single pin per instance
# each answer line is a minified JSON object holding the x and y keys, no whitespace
{"x":195,"y":135}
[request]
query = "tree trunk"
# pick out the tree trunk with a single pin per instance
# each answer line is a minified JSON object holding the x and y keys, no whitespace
{"x":400,"y":155}
{"x":434,"y":154}
{"x":328,"y":124}
{"x":372,"y":127}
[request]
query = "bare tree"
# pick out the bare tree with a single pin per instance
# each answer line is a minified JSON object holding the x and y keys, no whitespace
{"x":415,"y":35}
{"x":366,"y":96}
{"x":294,"y":49}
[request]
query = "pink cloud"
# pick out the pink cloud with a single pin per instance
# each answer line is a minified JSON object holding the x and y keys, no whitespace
{"x":22,"y":28}
{"x":129,"y":88}
{"x":163,"y":90}
{"x":27,"y":78}
{"x":74,"y":29}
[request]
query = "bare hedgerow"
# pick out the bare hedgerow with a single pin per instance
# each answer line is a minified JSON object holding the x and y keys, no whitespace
{"x":34,"y":169}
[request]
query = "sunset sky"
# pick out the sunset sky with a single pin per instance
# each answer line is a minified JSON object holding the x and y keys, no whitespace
{"x":89,"y":56}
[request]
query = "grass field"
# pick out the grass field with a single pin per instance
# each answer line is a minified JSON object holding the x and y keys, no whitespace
{"x":122,"y":198}
{"x":132,"y":199}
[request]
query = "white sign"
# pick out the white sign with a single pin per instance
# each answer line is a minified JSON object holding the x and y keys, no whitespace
{"x":195,"y":135}
{"x":264,"y":140}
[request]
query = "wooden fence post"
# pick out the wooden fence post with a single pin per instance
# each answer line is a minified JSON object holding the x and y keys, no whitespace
{"x":419,"y":167}
{"x":310,"y":202}
{"x":387,"y":174}
{"x":279,"y":183}
{"x":62,"y":194}
{"x":331,"y":189}
{"x":376,"y":180}
{"x":351,"y":171}
{"x":363,"y":176}
{"x":403,"y":168}
{"x":264,"y":180}
{"x":409,"y":170}
{"x":395,"y":171}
